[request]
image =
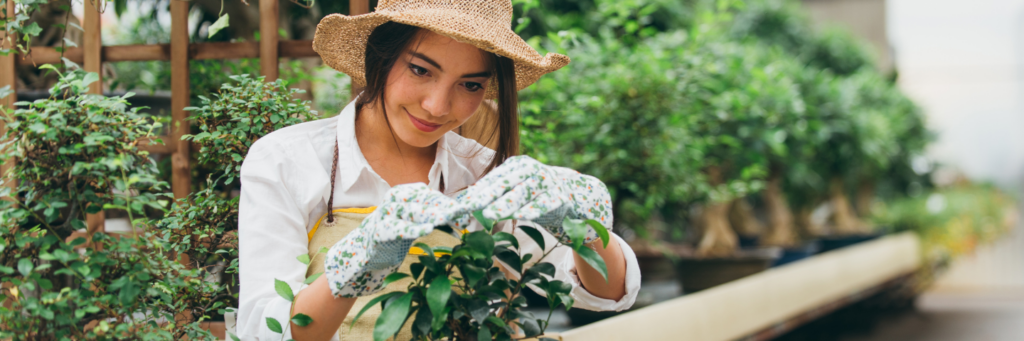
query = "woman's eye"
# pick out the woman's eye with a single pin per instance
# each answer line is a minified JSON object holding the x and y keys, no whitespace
{"x":473,"y":86}
{"x":416,"y":70}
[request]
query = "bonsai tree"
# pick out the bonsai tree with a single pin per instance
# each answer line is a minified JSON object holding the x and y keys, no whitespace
{"x":745,"y":104}
{"x":76,"y":154}
{"x":617,"y":113}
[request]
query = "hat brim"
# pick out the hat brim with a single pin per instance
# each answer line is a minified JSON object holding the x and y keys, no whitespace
{"x":341,"y":42}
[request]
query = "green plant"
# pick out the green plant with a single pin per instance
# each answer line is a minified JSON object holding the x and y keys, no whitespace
{"x":464,"y":295}
{"x":203,"y":226}
{"x":241,"y":113}
{"x":617,"y":113}
{"x":76,"y":154}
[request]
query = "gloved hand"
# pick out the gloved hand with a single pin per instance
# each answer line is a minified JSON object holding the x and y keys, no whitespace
{"x":525,"y":189}
{"x":357,"y":264}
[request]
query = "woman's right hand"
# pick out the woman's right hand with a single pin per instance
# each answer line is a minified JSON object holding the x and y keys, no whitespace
{"x":357,"y":264}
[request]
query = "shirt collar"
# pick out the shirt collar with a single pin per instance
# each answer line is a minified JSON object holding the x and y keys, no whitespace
{"x":352,"y":161}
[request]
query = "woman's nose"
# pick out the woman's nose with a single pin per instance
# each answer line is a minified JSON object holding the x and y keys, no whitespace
{"x":438,"y":101}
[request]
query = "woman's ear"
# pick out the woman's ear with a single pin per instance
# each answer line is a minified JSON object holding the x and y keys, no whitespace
{"x":483,"y":125}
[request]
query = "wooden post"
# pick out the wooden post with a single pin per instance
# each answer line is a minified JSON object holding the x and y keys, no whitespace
{"x":268,"y":39}
{"x":357,"y":7}
{"x":92,"y":46}
{"x":181,"y":175}
{"x":8,"y":77}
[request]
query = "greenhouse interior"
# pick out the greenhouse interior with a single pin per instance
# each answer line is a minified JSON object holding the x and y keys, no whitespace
{"x":846,"y":170}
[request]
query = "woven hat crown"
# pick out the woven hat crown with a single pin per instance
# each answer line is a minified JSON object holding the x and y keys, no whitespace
{"x":493,"y":11}
{"x":341,"y":40}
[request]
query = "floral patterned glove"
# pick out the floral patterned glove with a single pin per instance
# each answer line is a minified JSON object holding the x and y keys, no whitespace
{"x":525,"y":189}
{"x":357,"y":264}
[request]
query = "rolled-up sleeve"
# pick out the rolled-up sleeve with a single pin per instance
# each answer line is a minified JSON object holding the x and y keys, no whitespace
{"x":565,"y":269}
{"x":271,"y":233}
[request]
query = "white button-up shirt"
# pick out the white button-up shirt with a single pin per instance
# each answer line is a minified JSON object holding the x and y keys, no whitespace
{"x":285,"y":187}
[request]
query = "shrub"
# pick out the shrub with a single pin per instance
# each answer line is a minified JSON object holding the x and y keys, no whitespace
{"x":76,"y":154}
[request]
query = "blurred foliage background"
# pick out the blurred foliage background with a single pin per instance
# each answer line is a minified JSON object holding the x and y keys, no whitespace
{"x":709,"y":120}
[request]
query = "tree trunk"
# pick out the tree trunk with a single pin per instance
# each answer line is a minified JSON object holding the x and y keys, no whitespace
{"x":742,"y":219}
{"x":843,"y":218}
{"x":781,"y":231}
{"x":718,"y":239}
{"x":807,"y":227}
{"x":865,"y":195}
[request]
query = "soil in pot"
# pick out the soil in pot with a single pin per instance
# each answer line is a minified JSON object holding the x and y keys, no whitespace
{"x":790,"y":255}
{"x":835,"y":242}
{"x":696,"y":274}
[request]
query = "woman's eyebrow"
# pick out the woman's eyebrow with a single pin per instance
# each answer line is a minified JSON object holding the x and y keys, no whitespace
{"x":485,"y":74}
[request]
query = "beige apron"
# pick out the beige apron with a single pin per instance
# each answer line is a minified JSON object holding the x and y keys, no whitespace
{"x":346,"y":220}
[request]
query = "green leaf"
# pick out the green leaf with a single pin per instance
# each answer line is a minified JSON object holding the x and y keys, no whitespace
{"x":535,"y":235}
{"x":473,"y":274}
{"x":394,"y":276}
{"x":511,"y":259}
{"x":437,"y":297}
{"x":233,"y":337}
{"x":25,"y":266}
{"x":274,"y":325}
{"x":507,"y":237}
{"x":218,"y":25}
{"x":284,"y":290}
{"x":487,"y":223}
{"x":392,"y":318}
{"x":372,"y":302}
{"x":576,"y":230}
{"x":594,"y":259}
{"x":302,"y":320}
{"x":480,"y":243}
{"x":484,"y":334}
{"x":312,"y":278}
{"x":496,"y":321}
{"x":90,"y":78}
{"x":601,"y":231}
{"x":304,"y":258}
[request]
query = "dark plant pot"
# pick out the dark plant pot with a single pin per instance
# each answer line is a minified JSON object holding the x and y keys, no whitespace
{"x":579,"y":317}
{"x":696,"y":274}
{"x":655,"y":267}
{"x":835,"y":242}
{"x":790,"y":255}
{"x":749,"y":242}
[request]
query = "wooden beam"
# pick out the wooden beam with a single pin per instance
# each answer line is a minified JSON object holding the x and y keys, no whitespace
{"x":135,"y":53}
{"x":296,"y":49}
{"x":8,"y":77}
{"x":181,"y":175}
{"x":750,"y":305}
{"x":268,"y":39}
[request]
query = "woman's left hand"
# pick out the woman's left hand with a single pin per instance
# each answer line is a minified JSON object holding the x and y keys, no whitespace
{"x":525,"y":189}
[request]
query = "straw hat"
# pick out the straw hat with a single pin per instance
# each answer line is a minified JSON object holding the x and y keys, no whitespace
{"x":487,"y":24}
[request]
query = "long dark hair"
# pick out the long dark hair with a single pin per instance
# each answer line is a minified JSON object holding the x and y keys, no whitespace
{"x":384,"y":47}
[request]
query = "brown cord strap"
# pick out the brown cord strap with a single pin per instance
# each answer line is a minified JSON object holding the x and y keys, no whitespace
{"x":334,"y":173}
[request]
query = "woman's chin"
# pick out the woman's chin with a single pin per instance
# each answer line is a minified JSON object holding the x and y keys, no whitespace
{"x":419,"y":139}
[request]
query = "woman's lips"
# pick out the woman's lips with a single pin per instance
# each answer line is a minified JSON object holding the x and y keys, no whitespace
{"x":422,"y":125}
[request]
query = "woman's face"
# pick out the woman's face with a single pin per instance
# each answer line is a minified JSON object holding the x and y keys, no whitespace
{"x":434,"y":87}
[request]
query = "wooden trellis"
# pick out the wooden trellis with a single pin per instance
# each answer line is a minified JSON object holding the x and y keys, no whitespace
{"x":92,"y":54}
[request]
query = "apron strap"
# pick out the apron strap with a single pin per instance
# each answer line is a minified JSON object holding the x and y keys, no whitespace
{"x":334,"y":173}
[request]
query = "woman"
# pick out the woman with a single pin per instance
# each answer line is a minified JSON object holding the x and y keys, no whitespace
{"x":427,"y":65}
